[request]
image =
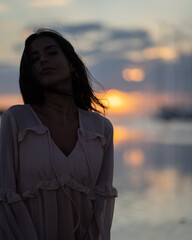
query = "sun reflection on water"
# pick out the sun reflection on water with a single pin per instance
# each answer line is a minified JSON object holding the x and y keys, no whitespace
{"x":134,"y":157}
{"x":123,"y":134}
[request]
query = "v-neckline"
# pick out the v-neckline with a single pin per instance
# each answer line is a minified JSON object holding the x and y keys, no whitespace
{"x":52,"y":141}
{"x":61,"y":152}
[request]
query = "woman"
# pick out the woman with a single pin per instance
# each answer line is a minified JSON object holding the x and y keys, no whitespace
{"x":56,"y":151}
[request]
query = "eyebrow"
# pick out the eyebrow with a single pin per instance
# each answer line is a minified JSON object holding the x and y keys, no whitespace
{"x":45,"y":48}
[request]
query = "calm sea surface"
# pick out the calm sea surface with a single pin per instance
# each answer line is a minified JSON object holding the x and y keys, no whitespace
{"x":153,"y":175}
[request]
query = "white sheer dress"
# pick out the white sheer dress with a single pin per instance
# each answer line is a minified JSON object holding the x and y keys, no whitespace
{"x":45,"y":195}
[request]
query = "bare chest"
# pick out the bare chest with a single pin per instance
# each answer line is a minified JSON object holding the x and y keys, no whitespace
{"x":64,"y":136}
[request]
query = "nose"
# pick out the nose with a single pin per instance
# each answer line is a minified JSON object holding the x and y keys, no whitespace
{"x":43,"y":59}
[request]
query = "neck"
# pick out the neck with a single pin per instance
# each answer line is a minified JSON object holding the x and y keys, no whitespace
{"x":58,"y":104}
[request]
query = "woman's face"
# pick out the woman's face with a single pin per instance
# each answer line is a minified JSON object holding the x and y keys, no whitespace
{"x":50,"y":66}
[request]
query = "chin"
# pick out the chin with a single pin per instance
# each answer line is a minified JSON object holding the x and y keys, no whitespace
{"x":55,"y":83}
{"x":49,"y":81}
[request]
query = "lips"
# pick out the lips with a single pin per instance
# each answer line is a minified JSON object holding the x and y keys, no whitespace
{"x":47,"y":70}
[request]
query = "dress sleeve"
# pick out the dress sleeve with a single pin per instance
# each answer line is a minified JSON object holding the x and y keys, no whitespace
{"x":105,"y":192}
{"x":15,"y":220}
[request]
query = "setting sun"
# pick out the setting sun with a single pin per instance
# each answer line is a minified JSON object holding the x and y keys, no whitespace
{"x":120,"y":102}
{"x":117,"y":101}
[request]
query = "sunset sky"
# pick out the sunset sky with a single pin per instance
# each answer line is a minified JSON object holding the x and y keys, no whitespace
{"x":131,"y":47}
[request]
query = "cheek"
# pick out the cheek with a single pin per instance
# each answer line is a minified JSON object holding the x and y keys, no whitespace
{"x":34,"y":71}
{"x":36,"y":76}
{"x":65,"y":71}
{"x":63,"y":65}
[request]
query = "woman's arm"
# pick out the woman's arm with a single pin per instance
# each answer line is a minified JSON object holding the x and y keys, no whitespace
{"x":105,"y":192}
{"x":15,"y":220}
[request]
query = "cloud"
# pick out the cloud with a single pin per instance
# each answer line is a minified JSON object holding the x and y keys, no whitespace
{"x":49,"y":3}
{"x":97,"y":42}
{"x":121,"y":34}
{"x":101,"y":34}
{"x":166,"y":53}
{"x":80,"y":28}
{"x":83,"y":36}
{"x":107,"y":51}
{"x":9,"y":79}
{"x":73,"y":29}
{"x":137,"y":39}
{"x":2,"y":8}
{"x":102,"y":40}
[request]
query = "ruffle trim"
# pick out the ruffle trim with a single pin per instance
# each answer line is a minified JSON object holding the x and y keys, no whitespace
{"x":9,"y":197}
{"x":68,"y":181}
{"x":54,"y":184}
{"x":106,"y":191}
{"x":41,"y":129}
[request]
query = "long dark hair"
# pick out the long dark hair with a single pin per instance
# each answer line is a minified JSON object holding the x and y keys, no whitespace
{"x":33,"y":92}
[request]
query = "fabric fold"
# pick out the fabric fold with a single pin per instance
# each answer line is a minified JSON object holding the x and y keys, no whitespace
{"x":39,"y":129}
{"x":89,"y":135}
{"x":106,"y":191}
{"x":67,"y":181}
{"x":9,"y":197}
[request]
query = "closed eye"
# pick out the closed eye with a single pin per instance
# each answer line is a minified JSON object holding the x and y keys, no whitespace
{"x":35,"y":59}
{"x":52,"y":53}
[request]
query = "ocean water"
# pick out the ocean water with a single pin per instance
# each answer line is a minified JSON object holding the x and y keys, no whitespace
{"x":153,"y":175}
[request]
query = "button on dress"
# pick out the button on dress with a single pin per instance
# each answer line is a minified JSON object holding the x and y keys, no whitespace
{"x":46,"y":195}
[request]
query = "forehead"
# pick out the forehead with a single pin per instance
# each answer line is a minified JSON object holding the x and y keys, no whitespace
{"x":41,"y":43}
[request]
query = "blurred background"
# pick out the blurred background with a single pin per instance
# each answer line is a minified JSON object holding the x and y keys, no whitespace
{"x":141,"y":53}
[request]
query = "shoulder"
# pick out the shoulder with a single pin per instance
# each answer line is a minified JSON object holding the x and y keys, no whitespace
{"x":16,"y":112}
{"x":11,"y":112}
{"x":102,"y":119}
{"x":16,"y":109}
{"x":21,"y":115}
{"x":8,"y":119}
{"x":97,"y":122}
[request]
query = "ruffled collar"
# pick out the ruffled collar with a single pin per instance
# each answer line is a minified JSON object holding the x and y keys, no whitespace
{"x":87,"y":126}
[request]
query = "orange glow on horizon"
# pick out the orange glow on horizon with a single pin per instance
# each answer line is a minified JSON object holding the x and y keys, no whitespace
{"x":8,"y":100}
{"x":137,"y":104}
{"x":122,"y":134}
{"x":133,"y":74}
{"x":120,"y":102}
